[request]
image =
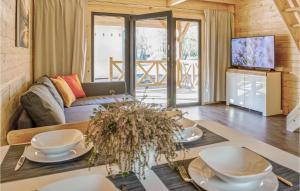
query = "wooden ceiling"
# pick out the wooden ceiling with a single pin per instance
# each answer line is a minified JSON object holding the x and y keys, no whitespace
{"x":177,"y":2}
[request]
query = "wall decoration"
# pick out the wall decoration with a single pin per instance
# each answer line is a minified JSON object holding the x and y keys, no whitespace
{"x":22,"y":23}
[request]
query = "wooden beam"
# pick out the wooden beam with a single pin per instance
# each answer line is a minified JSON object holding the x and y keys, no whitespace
{"x":171,"y":3}
{"x":163,"y":23}
{"x":183,"y":33}
{"x":232,"y":2}
{"x":292,"y":9}
{"x":296,"y":25}
{"x":290,"y":20}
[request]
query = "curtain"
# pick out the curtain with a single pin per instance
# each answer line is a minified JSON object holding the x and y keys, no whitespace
{"x":59,"y":37}
{"x":218,"y":32}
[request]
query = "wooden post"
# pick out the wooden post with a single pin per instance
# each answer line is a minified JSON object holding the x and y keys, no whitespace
{"x":110,"y":75}
{"x":179,"y":40}
{"x":157,"y":72}
{"x":181,"y":34}
{"x":179,"y":73}
{"x":193,"y":75}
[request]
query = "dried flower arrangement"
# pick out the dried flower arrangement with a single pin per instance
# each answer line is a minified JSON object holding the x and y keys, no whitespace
{"x":125,"y":133}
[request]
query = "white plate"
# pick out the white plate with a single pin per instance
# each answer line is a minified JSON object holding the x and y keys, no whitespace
{"x":189,"y":134}
{"x":95,"y":182}
{"x":237,"y":164}
{"x":37,"y":156}
{"x":57,"y":142}
{"x":208,"y":180}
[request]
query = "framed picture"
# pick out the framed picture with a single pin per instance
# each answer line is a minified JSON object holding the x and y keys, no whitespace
{"x":22,"y":23}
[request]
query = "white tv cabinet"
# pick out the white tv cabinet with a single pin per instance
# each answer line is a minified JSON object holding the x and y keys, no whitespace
{"x":255,"y":90}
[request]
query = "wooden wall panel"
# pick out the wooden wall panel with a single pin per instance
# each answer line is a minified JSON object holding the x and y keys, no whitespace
{"x":15,"y":67}
{"x":260,"y":17}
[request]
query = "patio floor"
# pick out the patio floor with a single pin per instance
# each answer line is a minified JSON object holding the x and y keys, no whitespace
{"x":159,"y":95}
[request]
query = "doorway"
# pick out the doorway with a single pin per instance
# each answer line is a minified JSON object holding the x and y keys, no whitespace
{"x":188,"y":86}
{"x":156,"y":55}
{"x":152,"y":63}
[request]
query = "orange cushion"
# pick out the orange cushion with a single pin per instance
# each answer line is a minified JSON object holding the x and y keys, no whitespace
{"x":75,"y":85}
{"x":64,"y":90}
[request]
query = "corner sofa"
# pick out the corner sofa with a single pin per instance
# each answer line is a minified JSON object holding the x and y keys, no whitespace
{"x":43,"y":98}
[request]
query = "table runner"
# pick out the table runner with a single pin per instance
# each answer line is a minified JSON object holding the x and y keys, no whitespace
{"x":32,"y":169}
{"x":128,"y":183}
{"x":172,"y":180}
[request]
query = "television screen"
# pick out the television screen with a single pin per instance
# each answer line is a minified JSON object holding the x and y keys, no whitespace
{"x":254,"y":52}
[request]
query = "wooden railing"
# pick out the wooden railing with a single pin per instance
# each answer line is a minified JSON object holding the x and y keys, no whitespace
{"x":151,"y":73}
{"x":187,"y":73}
{"x":118,"y":66}
{"x":154,"y":72}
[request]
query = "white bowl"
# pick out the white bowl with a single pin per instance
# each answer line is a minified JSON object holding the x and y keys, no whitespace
{"x":188,"y":134}
{"x":96,"y":182}
{"x":236,"y":164}
{"x":57,"y":142}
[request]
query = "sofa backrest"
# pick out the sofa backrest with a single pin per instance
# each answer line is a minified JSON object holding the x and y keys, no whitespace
{"x":104,"y":88}
{"x":26,"y":120}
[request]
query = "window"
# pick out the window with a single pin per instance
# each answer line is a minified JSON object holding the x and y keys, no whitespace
{"x":108,"y":48}
{"x":187,"y":61}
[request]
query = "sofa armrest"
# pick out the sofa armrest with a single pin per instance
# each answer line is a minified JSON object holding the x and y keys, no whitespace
{"x":23,"y":136}
{"x":103,"y":88}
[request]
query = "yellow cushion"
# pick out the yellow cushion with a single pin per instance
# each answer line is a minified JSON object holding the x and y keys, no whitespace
{"x":64,"y":90}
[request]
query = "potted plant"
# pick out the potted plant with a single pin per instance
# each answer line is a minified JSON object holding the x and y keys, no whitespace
{"x":126,"y":133}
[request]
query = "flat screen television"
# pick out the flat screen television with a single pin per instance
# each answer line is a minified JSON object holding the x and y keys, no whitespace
{"x":253,"y":52}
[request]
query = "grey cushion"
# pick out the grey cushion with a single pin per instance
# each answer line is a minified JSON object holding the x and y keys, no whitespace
{"x":79,"y":113}
{"x":103,"y":100}
{"x":48,"y":83}
{"x":25,"y":121}
{"x":42,"y":107}
{"x":103,"y":88}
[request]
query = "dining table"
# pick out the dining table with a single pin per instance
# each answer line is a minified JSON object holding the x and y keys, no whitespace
{"x":154,"y":180}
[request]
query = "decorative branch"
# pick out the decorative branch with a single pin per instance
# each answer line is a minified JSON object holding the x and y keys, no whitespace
{"x":126,"y":133}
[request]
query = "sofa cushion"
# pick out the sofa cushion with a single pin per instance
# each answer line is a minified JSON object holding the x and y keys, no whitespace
{"x":48,"y":83}
{"x":42,"y":107}
{"x":64,"y":90}
{"x":25,"y":121}
{"x":101,"y":100}
{"x":75,"y":85}
{"x":79,"y":113}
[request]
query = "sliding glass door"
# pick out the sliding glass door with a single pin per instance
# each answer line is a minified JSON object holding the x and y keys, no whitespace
{"x":152,"y":57}
{"x":157,"y":56}
{"x":187,"y":62}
